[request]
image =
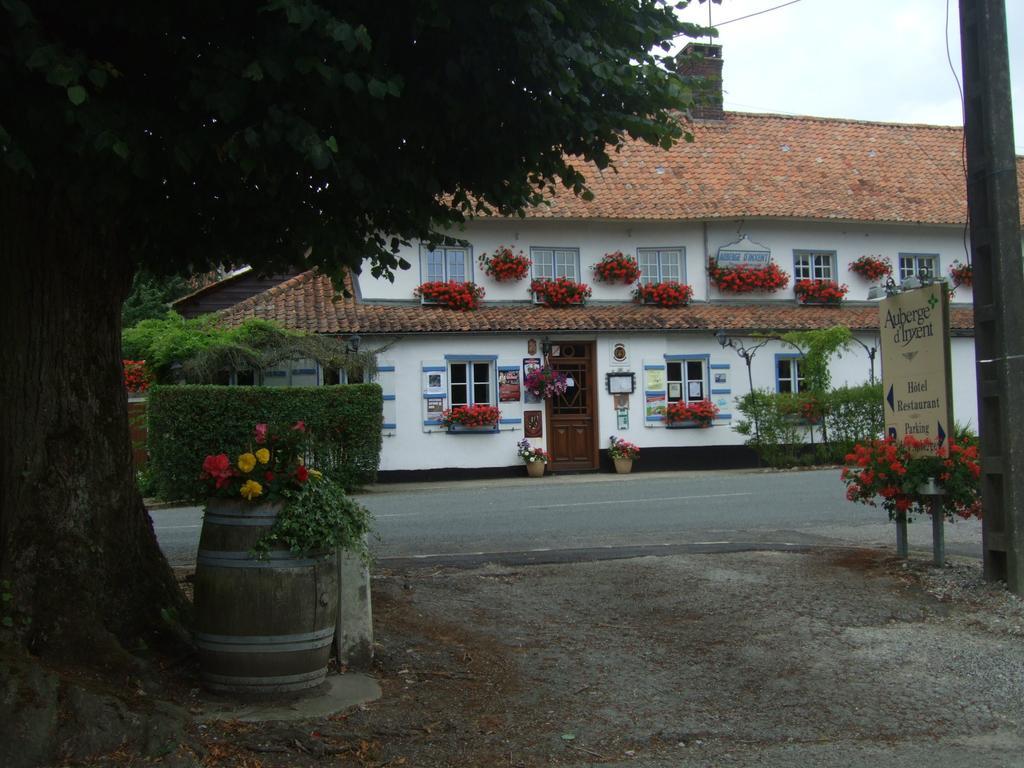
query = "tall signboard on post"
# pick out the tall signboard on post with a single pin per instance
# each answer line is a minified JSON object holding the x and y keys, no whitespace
{"x":916,"y":369}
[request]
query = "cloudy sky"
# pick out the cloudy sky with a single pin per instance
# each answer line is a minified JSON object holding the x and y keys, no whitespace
{"x":862,"y":59}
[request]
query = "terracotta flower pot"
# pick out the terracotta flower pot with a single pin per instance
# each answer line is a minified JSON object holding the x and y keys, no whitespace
{"x":536,"y":468}
{"x":623,"y":466}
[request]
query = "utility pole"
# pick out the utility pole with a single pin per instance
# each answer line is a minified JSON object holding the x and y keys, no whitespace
{"x":998,"y":283}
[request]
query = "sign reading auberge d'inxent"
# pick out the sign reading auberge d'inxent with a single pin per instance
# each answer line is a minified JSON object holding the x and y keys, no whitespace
{"x":916,"y":372}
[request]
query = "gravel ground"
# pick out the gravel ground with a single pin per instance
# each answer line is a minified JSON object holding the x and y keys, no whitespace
{"x":846,"y":658}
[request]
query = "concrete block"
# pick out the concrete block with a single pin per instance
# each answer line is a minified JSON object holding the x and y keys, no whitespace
{"x":353,"y":637}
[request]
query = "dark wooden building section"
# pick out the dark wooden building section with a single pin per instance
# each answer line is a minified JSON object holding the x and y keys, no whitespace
{"x":227,"y":292}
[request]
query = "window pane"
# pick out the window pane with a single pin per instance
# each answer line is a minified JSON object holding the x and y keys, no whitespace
{"x":565,"y":264}
{"x":670,"y":266}
{"x":457,"y":266}
{"x":458,"y":373}
{"x":802,"y":267}
{"x":435,"y":267}
{"x":648,"y":263}
{"x":543,"y":264}
{"x":926,"y":265}
{"x":245,"y":378}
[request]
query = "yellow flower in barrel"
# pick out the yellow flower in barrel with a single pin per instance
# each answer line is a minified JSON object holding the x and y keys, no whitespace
{"x":263,"y":456}
{"x":246,"y":462}
{"x":250,"y":489}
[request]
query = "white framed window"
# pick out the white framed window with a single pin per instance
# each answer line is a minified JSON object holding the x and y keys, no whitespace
{"x":471,"y":381}
{"x":814,"y":265}
{"x":686,"y":379}
{"x":444,"y":264}
{"x":918,"y":265}
{"x":551,"y":263}
{"x":659,"y":265}
{"x":789,"y":375}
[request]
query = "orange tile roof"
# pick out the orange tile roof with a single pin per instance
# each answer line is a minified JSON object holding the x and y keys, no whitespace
{"x":308,"y":302}
{"x":756,"y":165}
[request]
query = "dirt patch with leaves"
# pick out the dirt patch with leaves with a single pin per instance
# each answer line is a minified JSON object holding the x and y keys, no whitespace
{"x":758,"y":658}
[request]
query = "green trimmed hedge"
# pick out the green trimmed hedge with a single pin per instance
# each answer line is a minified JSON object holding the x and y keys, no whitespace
{"x":188,"y":422}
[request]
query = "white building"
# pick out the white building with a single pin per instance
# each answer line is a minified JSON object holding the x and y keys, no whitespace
{"x":815,"y":194}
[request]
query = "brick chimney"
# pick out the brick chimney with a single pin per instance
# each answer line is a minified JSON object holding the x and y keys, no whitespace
{"x":701,"y":64}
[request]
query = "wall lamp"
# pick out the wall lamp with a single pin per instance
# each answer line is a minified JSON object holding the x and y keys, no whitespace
{"x":747,"y":353}
{"x":353,"y":343}
{"x":545,"y":346}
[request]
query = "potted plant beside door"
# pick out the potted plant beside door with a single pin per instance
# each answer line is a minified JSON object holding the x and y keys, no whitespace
{"x":536,"y":459}
{"x":623,"y":452}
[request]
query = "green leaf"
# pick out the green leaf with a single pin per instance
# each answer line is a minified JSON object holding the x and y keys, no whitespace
{"x":77,"y":95}
{"x":121,"y":150}
{"x":377,"y":88}
{"x":568,"y":736}
{"x":353,"y":81}
{"x":253,"y":72}
{"x":98,"y":77}
{"x":6,"y":597}
{"x":363,"y":37}
{"x":332,"y":144}
{"x":7,"y":621}
{"x":20,"y":11}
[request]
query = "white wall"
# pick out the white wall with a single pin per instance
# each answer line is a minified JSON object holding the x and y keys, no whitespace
{"x":408,"y":446}
{"x":594,"y":239}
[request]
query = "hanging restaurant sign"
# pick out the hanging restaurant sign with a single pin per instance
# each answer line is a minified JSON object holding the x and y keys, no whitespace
{"x":744,"y":253}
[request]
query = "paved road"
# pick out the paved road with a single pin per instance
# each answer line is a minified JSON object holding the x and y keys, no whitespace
{"x":577,"y":516}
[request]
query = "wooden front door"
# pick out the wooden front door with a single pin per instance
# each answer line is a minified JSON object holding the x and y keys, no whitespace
{"x":572,"y":417}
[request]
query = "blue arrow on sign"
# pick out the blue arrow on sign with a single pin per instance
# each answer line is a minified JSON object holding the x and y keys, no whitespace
{"x":942,"y":434}
{"x":889,"y":397}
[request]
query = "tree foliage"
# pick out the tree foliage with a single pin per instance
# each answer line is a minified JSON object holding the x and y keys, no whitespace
{"x":204,"y":348}
{"x":151,"y":296}
{"x":818,"y":346}
{"x":236,"y":132}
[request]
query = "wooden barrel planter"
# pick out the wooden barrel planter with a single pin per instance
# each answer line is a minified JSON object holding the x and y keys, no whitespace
{"x":262,"y":626}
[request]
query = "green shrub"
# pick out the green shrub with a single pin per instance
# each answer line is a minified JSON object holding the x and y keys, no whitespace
{"x":773,"y":425}
{"x":852,"y":415}
{"x":186,"y":423}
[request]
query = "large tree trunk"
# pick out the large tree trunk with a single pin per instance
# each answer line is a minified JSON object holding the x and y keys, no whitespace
{"x":76,"y":543}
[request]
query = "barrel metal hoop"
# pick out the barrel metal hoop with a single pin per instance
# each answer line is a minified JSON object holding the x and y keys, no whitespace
{"x":237,"y":511}
{"x":300,"y":641}
{"x":266,"y":684}
{"x":273,"y":559}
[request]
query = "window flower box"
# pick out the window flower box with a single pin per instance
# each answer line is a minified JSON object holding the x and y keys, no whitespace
{"x":747,"y":279}
{"x":824,"y":292}
{"x":700,"y":414}
{"x":471,"y":418}
{"x":504,"y":265}
{"x":961,"y":274}
{"x":560,"y":292}
{"x":452,"y":294}
{"x":617,"y":268}
{"x":666,"y":294}
{"x":872,"y":267}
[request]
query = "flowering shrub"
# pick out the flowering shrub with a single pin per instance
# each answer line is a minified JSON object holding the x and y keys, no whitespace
{"x":617,"y":268}
{"x":622,"y":449}
{"x":702,"y":412}
{"x":747,"y":279}
{"x":895,"y":471}
{"x":504,"y":265}
{"x":455,"y":295}
{"x":962,"y":274}
{"x":546,"y":382}
{"x":137,"y":377}
{"x":529,"y":454}
{"x":872,"y":267}
{"x":471,"y":416}
{"x":820,"y":291}
{"x":666,"y":294}
{"x":268,"y":471}
{"x":560,"y":292}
